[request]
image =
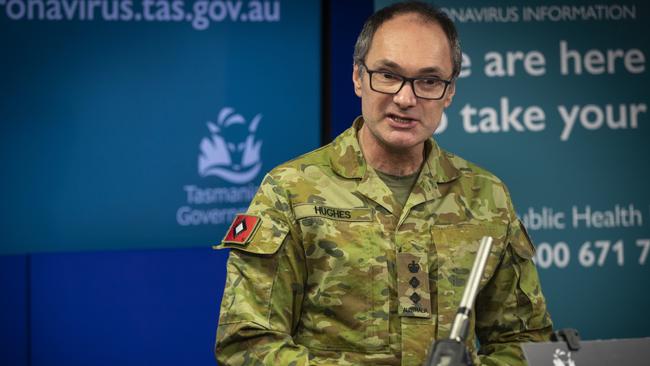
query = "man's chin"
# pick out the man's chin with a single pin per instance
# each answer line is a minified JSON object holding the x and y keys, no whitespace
{"x":401,"y":144}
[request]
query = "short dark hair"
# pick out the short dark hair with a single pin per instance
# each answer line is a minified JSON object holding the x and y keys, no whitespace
{"x":426,"y":11}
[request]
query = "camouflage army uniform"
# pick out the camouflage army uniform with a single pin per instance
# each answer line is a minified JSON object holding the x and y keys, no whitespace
{"x":327,"y":276}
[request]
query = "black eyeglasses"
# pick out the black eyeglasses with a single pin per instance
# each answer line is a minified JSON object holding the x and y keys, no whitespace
{"x":385,"y":82}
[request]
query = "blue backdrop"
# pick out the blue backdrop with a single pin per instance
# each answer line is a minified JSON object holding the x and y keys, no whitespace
{"x":132,"y":133}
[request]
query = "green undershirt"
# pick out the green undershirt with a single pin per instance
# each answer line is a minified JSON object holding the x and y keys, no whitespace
{"x":400,"y":186}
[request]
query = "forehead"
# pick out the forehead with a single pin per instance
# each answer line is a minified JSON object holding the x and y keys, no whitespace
{"x":412,"y":43}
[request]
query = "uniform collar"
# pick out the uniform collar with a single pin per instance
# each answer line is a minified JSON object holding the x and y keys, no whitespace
{"x":348,"y":161}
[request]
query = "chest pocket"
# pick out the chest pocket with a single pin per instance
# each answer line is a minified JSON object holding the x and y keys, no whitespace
{"x":346,"y":302}
{"x":456,"y":247}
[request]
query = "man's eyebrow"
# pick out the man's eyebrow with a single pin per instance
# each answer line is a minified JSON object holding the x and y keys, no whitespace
{"x":388,"y":63}
{"x":424,"y":70}
{"x":431,"y":70}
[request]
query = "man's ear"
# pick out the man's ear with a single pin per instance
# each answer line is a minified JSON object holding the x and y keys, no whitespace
{"x":449,"y":94}
{"x":356,"y":80}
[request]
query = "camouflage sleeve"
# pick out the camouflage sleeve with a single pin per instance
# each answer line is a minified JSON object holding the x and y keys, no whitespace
{"x":264,"y":289}
{"x":511,"y":308}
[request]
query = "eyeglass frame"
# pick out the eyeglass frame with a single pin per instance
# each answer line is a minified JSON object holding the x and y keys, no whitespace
{"x":404,"y":80}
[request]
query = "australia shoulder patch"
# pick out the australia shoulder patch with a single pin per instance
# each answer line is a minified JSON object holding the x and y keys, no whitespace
{"x":242,"y":229}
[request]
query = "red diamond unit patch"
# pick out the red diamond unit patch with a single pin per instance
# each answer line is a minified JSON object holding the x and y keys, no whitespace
{"x":242,"y":229}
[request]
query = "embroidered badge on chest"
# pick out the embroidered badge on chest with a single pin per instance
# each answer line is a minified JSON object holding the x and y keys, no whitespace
{"x":242,"y":229}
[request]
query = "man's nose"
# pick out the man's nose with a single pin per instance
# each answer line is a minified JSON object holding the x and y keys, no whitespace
{"x":405,"y":97}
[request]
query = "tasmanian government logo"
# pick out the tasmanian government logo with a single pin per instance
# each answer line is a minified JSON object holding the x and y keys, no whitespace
{"x":232,"y":151}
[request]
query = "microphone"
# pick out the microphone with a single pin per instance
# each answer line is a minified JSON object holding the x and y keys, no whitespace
{"x":452,"y":351}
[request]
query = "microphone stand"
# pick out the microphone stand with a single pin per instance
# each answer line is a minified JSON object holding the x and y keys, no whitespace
{"x":452,"y":351}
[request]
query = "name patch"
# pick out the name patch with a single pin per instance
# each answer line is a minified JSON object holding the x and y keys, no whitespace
{"x":335,"y":213}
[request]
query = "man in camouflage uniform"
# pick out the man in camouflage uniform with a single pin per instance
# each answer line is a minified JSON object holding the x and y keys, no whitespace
{"x":358,"y":253}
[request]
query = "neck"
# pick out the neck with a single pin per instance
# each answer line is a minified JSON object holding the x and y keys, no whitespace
{"x":398,"y":162}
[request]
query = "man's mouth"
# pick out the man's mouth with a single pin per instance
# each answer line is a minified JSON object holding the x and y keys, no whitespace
{"x":401,"y":120}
